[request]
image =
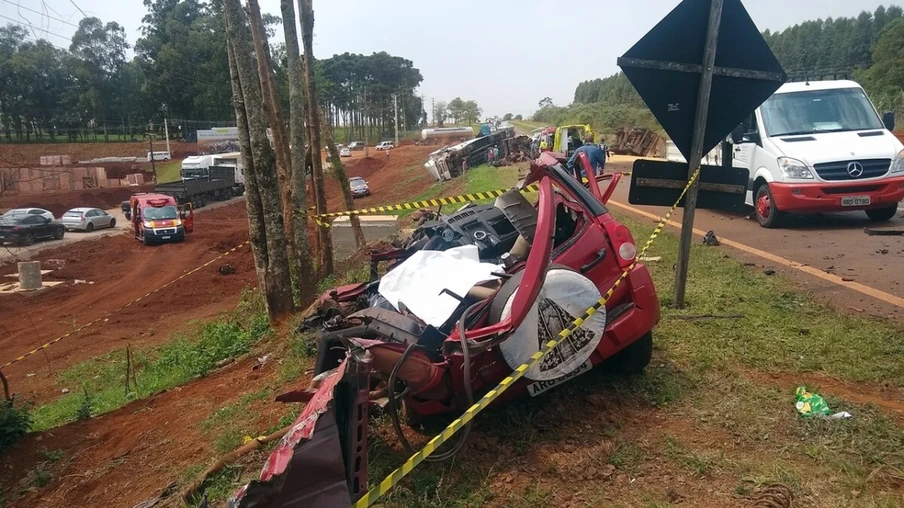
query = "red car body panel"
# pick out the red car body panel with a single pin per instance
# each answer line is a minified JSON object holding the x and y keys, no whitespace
{"x":816,"y":197}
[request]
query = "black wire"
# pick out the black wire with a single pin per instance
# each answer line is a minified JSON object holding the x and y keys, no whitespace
{"x":469,"y":393}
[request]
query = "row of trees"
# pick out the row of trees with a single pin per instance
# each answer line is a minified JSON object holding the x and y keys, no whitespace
{"x":868,"y":48}
{"x":456,"y":110}
{"x":180,"y":71}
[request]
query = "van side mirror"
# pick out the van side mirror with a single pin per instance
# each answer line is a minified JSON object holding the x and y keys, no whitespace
{"x":889,"y":120}
{"x":737,"y":135}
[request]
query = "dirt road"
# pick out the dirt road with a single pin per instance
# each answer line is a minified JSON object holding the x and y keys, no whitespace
{"x":118,"y":270}
{"x":832,"y":243}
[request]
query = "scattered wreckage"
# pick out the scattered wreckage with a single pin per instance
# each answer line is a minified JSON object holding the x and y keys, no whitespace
{"x":469,"y":297}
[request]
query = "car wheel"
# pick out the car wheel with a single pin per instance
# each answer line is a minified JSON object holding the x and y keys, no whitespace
{"x":29,"y":239}
{"x":632,"y":359}
{"x":90,"y":227}
{"x":767,"y":215}
{"x":144,"y":240}
{"x":59,"y":234}
{"x":112,"y":223}
{"x":882,"y":214}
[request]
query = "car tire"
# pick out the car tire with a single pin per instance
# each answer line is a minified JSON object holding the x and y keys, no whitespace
{"x":59,"y":234}
{"x":90,"y":227}
{"x":882,"y":214}
{"x":29,"y":239}
{"x":632,"y":359}
{"x":145,"y":241}
{"x":767,"y":215}
{"x":112,"y":223}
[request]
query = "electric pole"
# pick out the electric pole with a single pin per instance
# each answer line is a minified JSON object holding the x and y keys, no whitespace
{"x":151,"y":154}
{"x":395,"y":106}
{"x":166,"y":131}
{"x":366,"y":149}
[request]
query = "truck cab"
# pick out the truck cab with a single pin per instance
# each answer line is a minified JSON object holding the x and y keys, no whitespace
{"x":157,"y":218}
{"x":819,"y":147}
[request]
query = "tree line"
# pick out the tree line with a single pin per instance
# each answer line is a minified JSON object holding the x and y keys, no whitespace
{"x":868,"y":48}
{"x":179,"y":70}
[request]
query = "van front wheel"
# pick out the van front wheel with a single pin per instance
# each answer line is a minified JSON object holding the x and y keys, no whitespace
{"x":767,"y":215}
{"x":882,"y":214}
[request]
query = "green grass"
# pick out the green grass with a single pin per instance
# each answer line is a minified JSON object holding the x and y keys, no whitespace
{"x":168,"y":171}
{"x":98,"y":385}
{"x":525,"y":126}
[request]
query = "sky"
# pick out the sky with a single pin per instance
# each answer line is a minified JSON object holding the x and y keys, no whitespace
{"x":505,"y":54}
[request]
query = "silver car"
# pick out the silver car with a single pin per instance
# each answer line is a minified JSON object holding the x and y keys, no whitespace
{"x":29,"y":211}
{"x":88,"y":219}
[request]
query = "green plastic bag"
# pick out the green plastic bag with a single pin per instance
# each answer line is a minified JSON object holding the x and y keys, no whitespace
{"x":811,"y":404}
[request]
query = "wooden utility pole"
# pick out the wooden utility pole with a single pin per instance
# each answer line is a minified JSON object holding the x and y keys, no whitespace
{"x":690,"y":199}
{"x":395,"y":107}
{"x":306,"y":13}
{"x":339,"y":174}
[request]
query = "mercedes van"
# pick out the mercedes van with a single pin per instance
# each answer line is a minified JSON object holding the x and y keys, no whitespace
{"x":819,"y":147}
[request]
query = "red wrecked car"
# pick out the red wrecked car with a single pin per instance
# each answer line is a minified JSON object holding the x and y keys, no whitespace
{"x":538,"y":267}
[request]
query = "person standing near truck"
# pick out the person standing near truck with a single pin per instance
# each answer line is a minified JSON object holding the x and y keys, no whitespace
{"x":594,"y":154}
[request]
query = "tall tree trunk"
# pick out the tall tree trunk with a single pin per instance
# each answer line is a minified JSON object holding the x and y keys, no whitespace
{"x":277,"y":276}
{"x":304,"y":267}
{"x":339,"y":173}
{"x":273,"y":111}
{"x":256,"y":227}
{"x":306,"y":13}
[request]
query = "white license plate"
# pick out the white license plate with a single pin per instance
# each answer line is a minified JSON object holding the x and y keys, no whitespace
{"x":166,"y":237}
{"x":541,"y":386}
{"x":855,"y":201}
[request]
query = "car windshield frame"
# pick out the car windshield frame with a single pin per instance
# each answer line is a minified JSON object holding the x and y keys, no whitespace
{"x":819,"y":111}
{"x":148,"y":215}
{"x":74,"y":214}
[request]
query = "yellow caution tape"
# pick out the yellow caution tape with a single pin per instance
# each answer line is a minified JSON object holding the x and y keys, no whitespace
{"x":108,"y":314}
{"x":427,"y":203}
{"x":396,"y":476}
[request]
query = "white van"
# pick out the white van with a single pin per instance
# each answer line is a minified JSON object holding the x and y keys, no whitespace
{"x":159,"y":156}
{"x":820,"y":147}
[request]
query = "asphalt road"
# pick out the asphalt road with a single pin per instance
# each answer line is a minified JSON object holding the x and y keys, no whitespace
{"x":11,"y":253}
{"x":831,"y":244}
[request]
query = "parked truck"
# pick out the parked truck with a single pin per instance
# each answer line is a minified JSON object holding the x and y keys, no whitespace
{"x":206,"y":178}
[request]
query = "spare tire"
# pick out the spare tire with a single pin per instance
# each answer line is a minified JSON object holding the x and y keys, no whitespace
{"x":565,"y":296}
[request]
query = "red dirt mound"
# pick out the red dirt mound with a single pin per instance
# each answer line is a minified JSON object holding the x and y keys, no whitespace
{"x":30,"y":154}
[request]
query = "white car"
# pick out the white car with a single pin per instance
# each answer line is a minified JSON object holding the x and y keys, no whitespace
{"x":30,"y":211}
{"x":87,"y":219}
{"x":385,"y":145}
{"x":345,"y":152}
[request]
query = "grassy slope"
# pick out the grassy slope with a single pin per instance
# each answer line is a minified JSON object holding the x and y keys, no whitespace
{"x":168,"y":171}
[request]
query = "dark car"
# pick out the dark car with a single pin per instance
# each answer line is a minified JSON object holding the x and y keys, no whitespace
{"x":358,"y":187}
{"x":25,"y":229}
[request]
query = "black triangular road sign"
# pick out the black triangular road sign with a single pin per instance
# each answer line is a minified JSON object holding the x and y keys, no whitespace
{"x":666,"y":64}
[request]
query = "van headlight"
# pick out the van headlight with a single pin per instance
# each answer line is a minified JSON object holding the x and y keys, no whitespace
{"x":793,"y":168}
{"x":148,"y":224}
{"x":897,"y":165}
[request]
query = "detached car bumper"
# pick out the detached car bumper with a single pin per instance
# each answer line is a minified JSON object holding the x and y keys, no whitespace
{"x":827,"y":197}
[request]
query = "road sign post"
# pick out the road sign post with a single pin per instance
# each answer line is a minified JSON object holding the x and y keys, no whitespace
{"x":690,"y":200}
{"x":726,"y":72}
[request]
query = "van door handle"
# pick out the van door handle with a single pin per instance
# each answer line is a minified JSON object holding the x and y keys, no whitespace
{"x":601,"y":255}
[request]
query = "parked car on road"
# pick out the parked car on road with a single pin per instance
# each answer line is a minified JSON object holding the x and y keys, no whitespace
{"x":358,"y":186}
{"x":30,"y":211}
{"x":356,"y":145}
{"x":385,"y":145}
{"x":158,"y":156}
{"x":87,"y":219}
{"x":26,"y":228}
{"x":345,"y":152}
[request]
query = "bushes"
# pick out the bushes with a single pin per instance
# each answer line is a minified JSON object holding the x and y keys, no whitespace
{"x":14,"y":422}
{"x":603,"y":117}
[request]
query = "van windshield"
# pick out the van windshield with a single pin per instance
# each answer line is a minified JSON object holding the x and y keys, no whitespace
{"x":162,"y":213}
{"x":837,"y":110}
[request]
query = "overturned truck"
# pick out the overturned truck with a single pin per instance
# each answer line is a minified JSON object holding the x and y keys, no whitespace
{"x":468,"y":298}
{"x":450,"y":161}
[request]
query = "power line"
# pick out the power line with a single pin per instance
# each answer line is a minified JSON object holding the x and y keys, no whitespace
{"x":29,"y":25}
{"x":41,"y":13}
{"x":79,"y":8}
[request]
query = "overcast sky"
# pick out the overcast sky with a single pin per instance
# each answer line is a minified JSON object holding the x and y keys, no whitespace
{"x":505,"y":54}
